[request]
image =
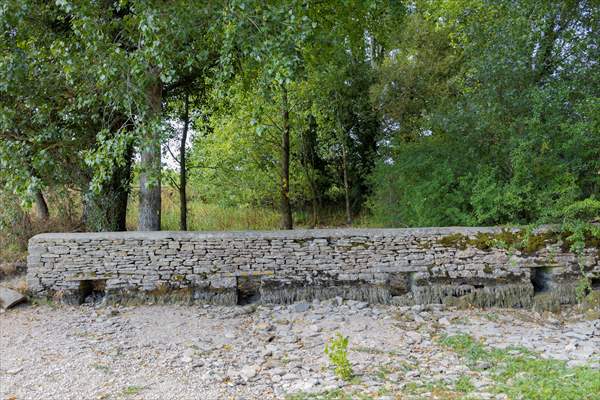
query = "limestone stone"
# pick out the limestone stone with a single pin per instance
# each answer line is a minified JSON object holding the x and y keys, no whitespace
{"x":9,"y":297}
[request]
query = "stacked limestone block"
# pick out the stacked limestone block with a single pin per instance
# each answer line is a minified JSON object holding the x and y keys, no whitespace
{"x":402,"y":266}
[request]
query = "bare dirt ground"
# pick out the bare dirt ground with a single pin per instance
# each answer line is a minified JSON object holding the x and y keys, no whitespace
{"x":270,"y":352}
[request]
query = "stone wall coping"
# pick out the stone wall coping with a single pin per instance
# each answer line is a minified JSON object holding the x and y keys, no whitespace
{"x":279,"y":234}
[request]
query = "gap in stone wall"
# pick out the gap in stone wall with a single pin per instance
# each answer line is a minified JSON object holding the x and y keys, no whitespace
{"x":541,"y":279}
{"x":400,"y":283}
{"x":92,"y":291}
{"x":248,"y":290}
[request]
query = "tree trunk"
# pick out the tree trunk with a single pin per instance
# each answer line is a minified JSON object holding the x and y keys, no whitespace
{"x":41,"y":207}
{"x":150,"y":201}
{"x":346,"y":185}
{"x":107,"y":210}
{"x":183,"y":168}
{"x":309,"y":168}
{"x":286,"y":209}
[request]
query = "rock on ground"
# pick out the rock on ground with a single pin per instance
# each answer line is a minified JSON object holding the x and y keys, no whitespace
{"x":9,"y":297}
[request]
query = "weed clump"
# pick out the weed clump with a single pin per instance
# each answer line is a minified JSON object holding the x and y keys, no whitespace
{"x":337,"y":351}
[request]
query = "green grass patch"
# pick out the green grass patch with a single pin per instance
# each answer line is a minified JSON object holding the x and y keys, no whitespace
{"x":131,"y":390}
{"x":522,"y":374}
{"x":464,"y":385}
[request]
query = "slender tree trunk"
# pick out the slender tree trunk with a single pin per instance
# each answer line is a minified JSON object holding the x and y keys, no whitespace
{"x":309,"y":173}
{"x":313,"y":202}
{"x":150,"y":201}
{"x":314,"y":195}
{"x":183,"y":168}
{"x":41,"y":207}
{"x":315,"y":216}
{"x":286,"y":209}
{"x":346,"y":185}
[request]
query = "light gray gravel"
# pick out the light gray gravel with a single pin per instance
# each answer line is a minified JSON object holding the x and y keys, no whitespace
{"x":208,"y":352}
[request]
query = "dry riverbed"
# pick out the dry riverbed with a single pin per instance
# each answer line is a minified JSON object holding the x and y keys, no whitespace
{"x":276,"y":352}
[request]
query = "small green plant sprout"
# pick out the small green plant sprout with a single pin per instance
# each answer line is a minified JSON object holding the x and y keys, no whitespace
{"x":337,"y":351}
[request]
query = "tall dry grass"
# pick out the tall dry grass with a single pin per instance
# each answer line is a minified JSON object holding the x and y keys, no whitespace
{"x":215,"y":217}
{"x":19,"y":224}
{"x":206,"y":217}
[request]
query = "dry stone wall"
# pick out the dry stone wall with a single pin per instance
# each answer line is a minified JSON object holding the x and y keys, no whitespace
{"x":401,"y":266}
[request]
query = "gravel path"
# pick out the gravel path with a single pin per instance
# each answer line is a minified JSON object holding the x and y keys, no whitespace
{"x":209,"y":352}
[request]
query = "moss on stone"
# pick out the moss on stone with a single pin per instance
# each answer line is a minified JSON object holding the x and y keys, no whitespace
{"x":482,"y":241}
{"x":519,"y":240}
{"x":455,"y":240}
{"x":539,"y":241}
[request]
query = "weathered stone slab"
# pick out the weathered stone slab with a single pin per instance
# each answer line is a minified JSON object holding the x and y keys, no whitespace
{"x":10,"y":297}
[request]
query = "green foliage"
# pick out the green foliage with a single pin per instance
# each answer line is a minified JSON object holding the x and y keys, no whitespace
{"x":514,"y":370}
{"x":578,"y":219}
{"x":587,"y":210}
{"x":337,"y":351}
{"x":488,"y":135}
{"x":74,"y":81}
{"x":431,"y":113}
